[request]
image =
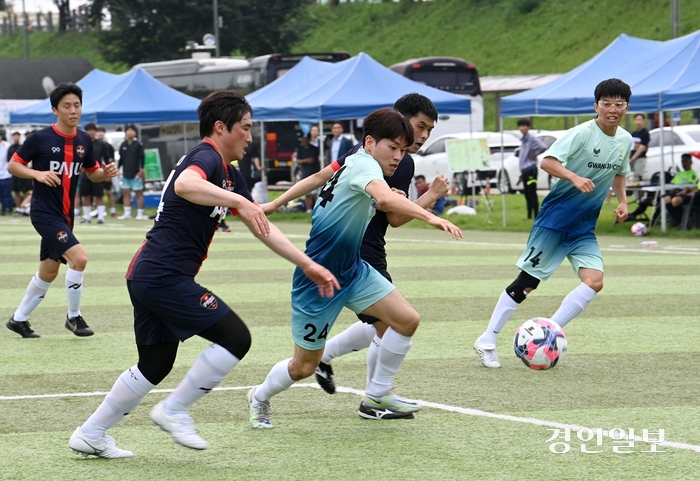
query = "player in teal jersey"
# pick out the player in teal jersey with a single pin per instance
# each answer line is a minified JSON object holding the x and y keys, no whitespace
{"x":586,"y":161}
{"x":344,"y":209}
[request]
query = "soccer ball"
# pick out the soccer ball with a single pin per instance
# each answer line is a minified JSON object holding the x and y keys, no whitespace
{"x":639,"y":229}
{"x":540,"y":343}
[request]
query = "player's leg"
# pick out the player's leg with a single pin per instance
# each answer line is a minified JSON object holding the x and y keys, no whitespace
{"x":76,"y":258}
{"x":543,"y":253}
{"x":137,"y":185}
{"x":36,"y":290}
{"x":530,"y":186}
{"x":587,"y":261}
{"x":110,"y":198}
{"x":98,"y":193}
{"x":126,"y":189}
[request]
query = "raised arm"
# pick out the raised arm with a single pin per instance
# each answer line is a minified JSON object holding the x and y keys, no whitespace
{"x":302,"y":187}
{"x":438,"y":188}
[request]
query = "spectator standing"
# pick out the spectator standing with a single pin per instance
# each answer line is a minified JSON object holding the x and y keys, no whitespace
{"x":100,"y":135}
{"x":530,"y":148}
{"x":638,"y":158}
{"x":339,"y":145}
{"x":93,"y":191}
{"x":131,"y":158}
{"x":5,"y":178}
{"x":21,"y":188}
{"x":249,"y":165}
{"x":307,"y":156}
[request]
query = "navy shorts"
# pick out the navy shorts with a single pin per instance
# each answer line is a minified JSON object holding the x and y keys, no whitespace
{"x":91,"y":189}
{"x":173,"y":310}
{"x":56,"y":238}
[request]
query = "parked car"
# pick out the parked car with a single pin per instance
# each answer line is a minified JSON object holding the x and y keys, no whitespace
{"x":432,"y":160}
{"x":509,"y":178}
{"x":679,"y":140}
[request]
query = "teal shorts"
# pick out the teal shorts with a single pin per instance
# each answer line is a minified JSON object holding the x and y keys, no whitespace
{"x":547,"y":248}
{"x":313,"y":315}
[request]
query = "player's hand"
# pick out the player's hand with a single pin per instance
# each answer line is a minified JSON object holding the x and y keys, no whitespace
{"x":255,"y":217}
{"x":583,"y":184}
{"x":268,"y":208}
{"x":399,"y":191}
{"x":446,"y":226}
{"x":439,"y":186}
{"x":110,"y":170}
{"x":49,"y":178}
{"x":621,"y":213}
{"x":323,"y":278}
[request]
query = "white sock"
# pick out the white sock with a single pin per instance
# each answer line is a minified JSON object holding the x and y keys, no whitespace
{"x":76,"y":212}
{"x":392,"y":352}
{"x":372,"y":354}
{"x":573,"y":304}
{"x":355,"y":338}
{"x":36,"y":290}
{"x":505,"y":307}
{"x":101,"y":212}
{"x":139,"y":212}
{"x":277,"y":380}
{"x":74,"y":289}
{"x":112,"y":210}
{"x":210,"y":368}
{"x":128,"y":391}
{"x":86,"y":212}
{"x":127,"y":211}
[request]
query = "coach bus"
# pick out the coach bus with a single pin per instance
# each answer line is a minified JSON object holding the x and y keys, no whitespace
{"x":200,"y":76}
{"x":454,"y":75}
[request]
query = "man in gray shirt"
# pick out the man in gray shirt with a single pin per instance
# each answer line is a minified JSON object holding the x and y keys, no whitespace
{"x":530,"y":148}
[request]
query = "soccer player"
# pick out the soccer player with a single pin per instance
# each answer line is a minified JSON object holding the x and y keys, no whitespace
{"x":587,"y":160}
{"x":169,"y":306}
{"x":339,"y":220}
{"x":57,"y":154}
{"x":90,"y":191}
{"x":422,"y":115}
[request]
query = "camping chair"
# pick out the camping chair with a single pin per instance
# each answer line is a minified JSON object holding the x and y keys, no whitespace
{"x":647,"y":199}
{"x":691,"y":213}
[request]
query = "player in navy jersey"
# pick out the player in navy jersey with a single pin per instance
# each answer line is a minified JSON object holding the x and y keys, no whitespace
{"x":169,"y":306}
{"x":422,"y":115}
{"x":340,"y":217}
{"x":57,"y":154}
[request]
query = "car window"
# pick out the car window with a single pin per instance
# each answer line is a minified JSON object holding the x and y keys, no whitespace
{"x":695,"y":135}
{"x":547,"y":140}
{"x":437,"y":148}
{"x":670,"y":138}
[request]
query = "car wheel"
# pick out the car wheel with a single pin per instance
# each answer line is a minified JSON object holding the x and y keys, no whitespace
{"x":504,"y":182}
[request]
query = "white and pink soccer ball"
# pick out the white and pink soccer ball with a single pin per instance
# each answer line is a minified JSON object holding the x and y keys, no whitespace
{"x":540,"y":343}
{"x":639,"y":229}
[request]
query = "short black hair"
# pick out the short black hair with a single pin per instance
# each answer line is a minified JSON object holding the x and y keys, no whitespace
{"x":132,"y":127}
{"x":101,"y":129}
{"x":16,"y":133}
{"x":387,"y":123}
{"x":64,"y":89}
{"x":613,"y":87}
{"x":686,"y":156}
{"x":90,"y":126}
{"x":410,"y":105}
{"x":524,"y":121}
{"x":228,"y":106}
{"x":640,"y":115}
{"x":419,"y":177}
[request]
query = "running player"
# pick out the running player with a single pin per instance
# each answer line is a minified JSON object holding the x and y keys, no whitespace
{"x":340,"y":217}
{"x":57,"y":154}
{"x":169,"y":306}
{"x":587,"y":160}
{"x":422,"y":115}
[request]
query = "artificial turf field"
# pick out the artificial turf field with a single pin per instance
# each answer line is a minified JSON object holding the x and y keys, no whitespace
{"x":633,"y":362}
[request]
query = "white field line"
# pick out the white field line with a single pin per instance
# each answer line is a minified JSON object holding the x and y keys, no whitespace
{"x":358,"y":392}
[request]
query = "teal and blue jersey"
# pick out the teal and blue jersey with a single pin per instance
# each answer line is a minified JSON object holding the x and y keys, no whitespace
{"x":588,"y":152}
{"x":340,"y":217}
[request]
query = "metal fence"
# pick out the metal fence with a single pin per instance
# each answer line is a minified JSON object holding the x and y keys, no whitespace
{"x":13,"y":23}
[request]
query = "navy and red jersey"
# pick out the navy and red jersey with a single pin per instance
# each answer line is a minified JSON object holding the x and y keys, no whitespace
{"x":179,"y":240}
{"x":372,"y":250}
{"x":50,"y":150}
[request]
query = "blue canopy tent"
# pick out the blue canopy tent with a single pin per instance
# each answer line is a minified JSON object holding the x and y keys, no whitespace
{"x":94,"y":84}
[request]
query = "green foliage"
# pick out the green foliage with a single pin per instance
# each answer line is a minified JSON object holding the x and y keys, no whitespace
{"x":526,"y":6}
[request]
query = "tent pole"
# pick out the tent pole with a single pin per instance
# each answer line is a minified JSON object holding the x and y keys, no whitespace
{"x":321,"y":143}
{"x":662,"y":175}
{"x":184,"y":135}
{"x":503,"y":193}
{"x":263,"y":175}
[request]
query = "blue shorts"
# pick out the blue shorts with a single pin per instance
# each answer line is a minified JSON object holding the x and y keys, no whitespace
{"x":172,"y":311}
{"x":313,"y":315}
{"x":132,"y":184}
{"x":56,"y":238}
{"x":547,"y":248}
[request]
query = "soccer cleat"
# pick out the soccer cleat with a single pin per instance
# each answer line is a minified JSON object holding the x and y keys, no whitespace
{"x":324,"y":377}
{"x":389,"y":405}
{"x":141,"y":217}
{"x":367,"y":412}
{"x":84,"y":221}
{"x":180,"y":426}
{"x":78,"y":326}
{"x":259,"y":412}
{"x":24,"y":329}
{"x":124,"y":217}
{"x":487,"y":354}
{"x":104,"y":447}
{"x":100,"y":221}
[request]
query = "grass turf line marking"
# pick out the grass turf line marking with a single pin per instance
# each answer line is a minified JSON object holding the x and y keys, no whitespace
{"x":358,"y":392}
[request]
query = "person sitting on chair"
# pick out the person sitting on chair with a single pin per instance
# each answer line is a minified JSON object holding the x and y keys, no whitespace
{"x":676,"y":199}
{"x":437,"y":207}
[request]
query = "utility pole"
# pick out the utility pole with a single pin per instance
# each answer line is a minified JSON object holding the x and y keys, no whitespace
{"x":675,"y":16}
{"x":24,"y":31}
{"x":216,"y":26}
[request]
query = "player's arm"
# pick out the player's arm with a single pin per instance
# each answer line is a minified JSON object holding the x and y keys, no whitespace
{"x":553,"y":167}
{"x":191,"y":186}
{"x":618,"y":186}
{"x":389,"y":201}
{"x":106,"y":172}
{"x":438,"y":188}
{"x":303,"y":187}
{"x":18,"y":169}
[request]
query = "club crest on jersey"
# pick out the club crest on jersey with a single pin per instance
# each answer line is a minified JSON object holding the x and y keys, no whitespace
{"x":208,"y":301}
{"x":596,"y":152}
{"x":80,"y":150}
{"x":62,"y":237}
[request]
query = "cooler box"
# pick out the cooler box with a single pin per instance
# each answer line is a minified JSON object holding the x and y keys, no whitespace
{"x":151,"y":198}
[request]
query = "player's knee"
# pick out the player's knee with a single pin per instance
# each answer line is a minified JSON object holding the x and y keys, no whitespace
{"x":78,"y":262}
{"x":299,"y":370}
{"x":521,"y":286}
{"x":594,"y":283}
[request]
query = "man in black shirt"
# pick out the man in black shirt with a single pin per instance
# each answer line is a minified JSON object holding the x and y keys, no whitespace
{"x":131,"y":159}
{"x":90,"y":191}
{"x":638,"y":156}
{"x":100,"y":135}
{"x":307,"y":156}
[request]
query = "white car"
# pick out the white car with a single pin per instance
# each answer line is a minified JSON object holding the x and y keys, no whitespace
{"x":509,"y":178}
{"x":682,"y":139}
{"x":431,"y":160}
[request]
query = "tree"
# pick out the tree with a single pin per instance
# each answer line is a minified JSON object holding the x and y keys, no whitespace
{"x":152,"y":30}
{"x":64,"y":18}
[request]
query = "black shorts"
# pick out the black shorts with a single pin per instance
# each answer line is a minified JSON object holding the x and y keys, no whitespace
{"x":22,"y":185}
{"x":56,"y":238}
{"x":173,"y":310}
{"x":369,"y":319}
{"x":91,"y":189}
{"x":108,"y":185}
